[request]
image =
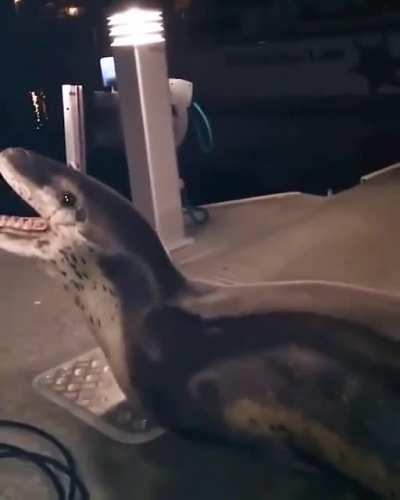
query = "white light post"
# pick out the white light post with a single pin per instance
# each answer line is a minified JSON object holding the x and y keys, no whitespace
{"x":145,"y":101}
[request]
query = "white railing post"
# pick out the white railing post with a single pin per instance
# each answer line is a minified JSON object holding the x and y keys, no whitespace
{"x":145,"y":103}
{"x":74,"y":126}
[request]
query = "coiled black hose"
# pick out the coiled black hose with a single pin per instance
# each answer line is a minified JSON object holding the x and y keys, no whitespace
{"x":55,"y":470}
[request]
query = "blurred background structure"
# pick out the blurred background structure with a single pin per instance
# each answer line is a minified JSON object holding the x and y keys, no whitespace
{"x":301,"y":94}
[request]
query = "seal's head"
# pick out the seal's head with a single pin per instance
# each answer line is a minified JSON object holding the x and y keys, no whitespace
{"x":76,"y":213}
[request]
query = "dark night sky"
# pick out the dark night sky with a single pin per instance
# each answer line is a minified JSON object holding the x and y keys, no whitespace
{"x":43,"y":52}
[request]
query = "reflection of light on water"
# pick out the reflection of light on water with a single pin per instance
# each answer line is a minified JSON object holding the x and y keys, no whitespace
{"x":36,"y":107}
{"x":39,"y":108}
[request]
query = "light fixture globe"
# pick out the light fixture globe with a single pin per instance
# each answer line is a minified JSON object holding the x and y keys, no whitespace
{"x":136,"y":27}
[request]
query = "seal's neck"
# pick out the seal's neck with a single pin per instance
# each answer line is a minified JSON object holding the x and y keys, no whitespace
{"x":139,"y":241}
{"x":169,"y":279}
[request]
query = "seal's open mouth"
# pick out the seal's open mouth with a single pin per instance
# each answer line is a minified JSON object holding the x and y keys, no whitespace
{"x":23,"y":219}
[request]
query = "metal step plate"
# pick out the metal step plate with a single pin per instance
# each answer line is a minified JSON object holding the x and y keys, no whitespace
{"x":86,"y":388}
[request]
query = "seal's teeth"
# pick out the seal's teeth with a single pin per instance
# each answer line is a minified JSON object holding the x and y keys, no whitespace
{"x":9,"y":222}
{"x":27,"y":224}
{"x":23,"y":223}
{"x":13,"y":222}
{"x":17,"y":222}
{"x":39,"y":224}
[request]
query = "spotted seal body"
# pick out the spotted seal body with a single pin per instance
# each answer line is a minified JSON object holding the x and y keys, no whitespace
{"x":311,"y":366}
{"x":94,"y":295}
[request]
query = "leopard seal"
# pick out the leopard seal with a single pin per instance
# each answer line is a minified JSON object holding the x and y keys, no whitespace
{"x":311,"y":365}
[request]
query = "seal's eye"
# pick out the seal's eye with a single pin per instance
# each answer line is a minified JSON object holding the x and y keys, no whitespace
{"x":68,"y":199}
